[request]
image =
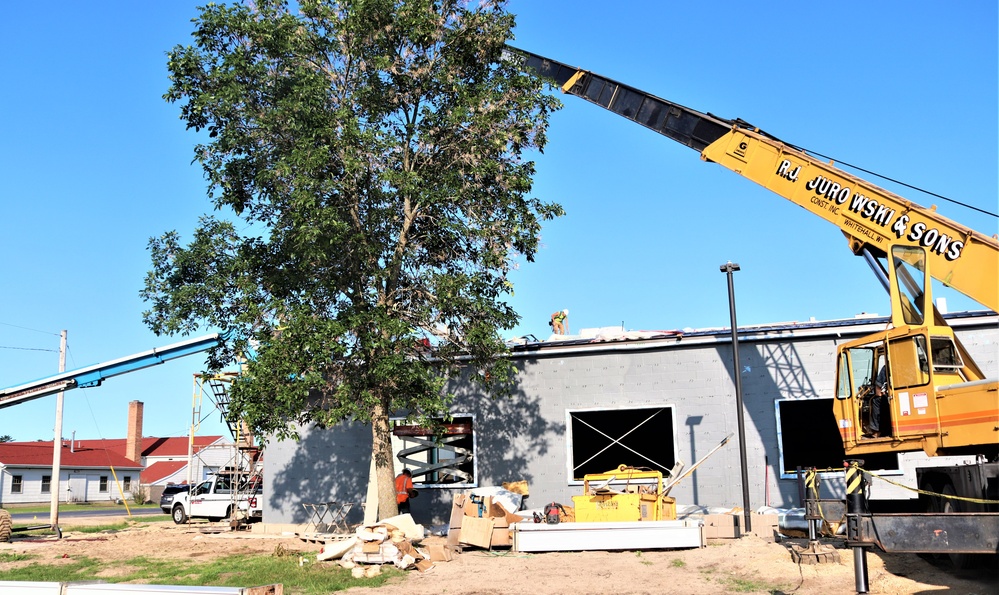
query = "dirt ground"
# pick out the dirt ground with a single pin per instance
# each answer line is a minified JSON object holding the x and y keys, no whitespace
{"x":746,"y":565}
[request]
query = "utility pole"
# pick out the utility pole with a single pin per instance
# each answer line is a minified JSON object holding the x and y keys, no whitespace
{"x":54,"y":483}
{"x":729,"y":268}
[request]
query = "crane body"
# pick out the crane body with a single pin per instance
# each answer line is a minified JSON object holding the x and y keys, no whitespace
{"x":910,"y":387}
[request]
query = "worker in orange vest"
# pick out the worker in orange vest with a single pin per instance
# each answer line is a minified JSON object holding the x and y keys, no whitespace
{"x":404,"y":490}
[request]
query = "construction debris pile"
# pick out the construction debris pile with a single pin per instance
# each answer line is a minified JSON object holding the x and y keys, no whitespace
{"x":482,"y":520}
{"x":391,"y":541}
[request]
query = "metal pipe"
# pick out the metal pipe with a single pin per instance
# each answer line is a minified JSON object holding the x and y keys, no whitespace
{"x":729,"y":268}
{"x":855,"y":506}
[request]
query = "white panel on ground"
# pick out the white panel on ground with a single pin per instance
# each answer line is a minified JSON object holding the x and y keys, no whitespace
{"x":572,"y":537}
{"x":30,"y":587}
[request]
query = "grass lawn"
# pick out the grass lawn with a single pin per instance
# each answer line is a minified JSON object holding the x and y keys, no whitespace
{"x":46,"y":508}
{"x":281,"y":567}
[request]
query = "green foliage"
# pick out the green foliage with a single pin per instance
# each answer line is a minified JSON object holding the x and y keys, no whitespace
{"x":742,"y":585}
{"x":80,"y":569}
{"x":6,"y":438}
{"x":233,"y":571}
{"x":68,"y":507}
{"x":140,"y":495}
{"x":374,"y":154}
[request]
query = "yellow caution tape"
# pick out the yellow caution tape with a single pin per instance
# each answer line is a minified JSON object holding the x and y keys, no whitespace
{"x":853,"y":476}
{"x":929,"y":493}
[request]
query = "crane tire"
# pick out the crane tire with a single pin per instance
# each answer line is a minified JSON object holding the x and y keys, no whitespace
{"x":960,"y":561}
{"x":5,"y":526}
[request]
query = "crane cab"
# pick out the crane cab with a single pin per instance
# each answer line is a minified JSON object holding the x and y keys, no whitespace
{"x":912,"y":386}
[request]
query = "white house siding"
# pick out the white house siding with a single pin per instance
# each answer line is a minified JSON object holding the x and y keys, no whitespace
{"x":525,"y":437}
{"x":31,"y":485}
{"x":206,"y":461}
{"x":69,"y":488}
{"x":215,"y":457}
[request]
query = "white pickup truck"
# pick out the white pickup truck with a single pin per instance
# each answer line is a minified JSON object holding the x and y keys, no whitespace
{"x":214,"y":499}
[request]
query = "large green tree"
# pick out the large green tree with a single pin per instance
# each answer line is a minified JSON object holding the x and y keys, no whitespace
{"x":372,"y":155}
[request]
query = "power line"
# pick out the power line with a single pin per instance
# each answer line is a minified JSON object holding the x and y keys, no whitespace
{"x":916,"y":188}
{"x":29,"y":329}
{"x":28,"y":348}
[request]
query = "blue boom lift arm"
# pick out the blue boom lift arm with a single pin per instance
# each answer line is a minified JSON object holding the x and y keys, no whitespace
{"x":94,"y":375}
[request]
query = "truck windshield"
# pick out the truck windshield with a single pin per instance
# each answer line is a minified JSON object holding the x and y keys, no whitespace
{"x":910,"y":274}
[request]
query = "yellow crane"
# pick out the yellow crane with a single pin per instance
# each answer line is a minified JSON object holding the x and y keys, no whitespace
{"x":910,"y":387}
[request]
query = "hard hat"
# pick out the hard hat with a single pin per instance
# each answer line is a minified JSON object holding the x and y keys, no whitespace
{"x":566,"y":311}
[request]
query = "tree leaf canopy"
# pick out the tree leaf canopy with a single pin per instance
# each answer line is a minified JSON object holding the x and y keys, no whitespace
{"x":367,"y":163}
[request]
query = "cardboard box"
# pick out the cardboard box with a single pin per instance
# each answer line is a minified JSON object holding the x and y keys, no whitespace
{"x":765,"y":525}
{"x":371,"y":547}
{"x":457,"y":514}
{"x":722,"y":526}
{"x":472,"y":508}
{"x":496,"y":510}
{"x":512,"y":518}
{"x":477,"y":532}
{"x":440,"y":553}
{"x":501,"y":537}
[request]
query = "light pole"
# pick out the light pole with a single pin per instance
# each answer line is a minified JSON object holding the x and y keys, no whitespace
{"x":729,"y":268}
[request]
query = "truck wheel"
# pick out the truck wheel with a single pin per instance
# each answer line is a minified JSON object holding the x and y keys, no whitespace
{"x":5,"y":524}
{"x":179,"y":516}
{"x":947,"y":506}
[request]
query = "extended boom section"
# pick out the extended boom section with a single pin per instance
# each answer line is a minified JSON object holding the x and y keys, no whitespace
{"x":682,"y":124}
{"x":95,"y":375}
{"x":871,"y":217}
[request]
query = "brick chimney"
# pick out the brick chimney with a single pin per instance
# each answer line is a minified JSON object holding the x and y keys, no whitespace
{"x":133,"y":442}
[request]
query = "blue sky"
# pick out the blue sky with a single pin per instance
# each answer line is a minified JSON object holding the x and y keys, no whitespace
{"x":93,"y":163}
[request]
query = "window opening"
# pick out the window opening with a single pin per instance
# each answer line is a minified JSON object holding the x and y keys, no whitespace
{"x":844,"y":386}
{"x":46,"y":484}
{"x":16,"y":484}
{"x":910,"y":267}
{"x":103,"y":485}
{"x":600,"y":440}
{"x":438,"y":456}
{"x":946,"y":357}
{"x":807,"y":436}
{"x":909,"y":362}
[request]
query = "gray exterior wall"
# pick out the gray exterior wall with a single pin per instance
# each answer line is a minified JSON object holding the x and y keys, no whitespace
{"x":524,"y":437}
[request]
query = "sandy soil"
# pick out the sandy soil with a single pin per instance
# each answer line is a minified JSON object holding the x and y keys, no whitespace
{"x":747,"y":565}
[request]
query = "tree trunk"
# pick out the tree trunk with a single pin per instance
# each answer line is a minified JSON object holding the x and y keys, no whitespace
{"x":381,"y":450}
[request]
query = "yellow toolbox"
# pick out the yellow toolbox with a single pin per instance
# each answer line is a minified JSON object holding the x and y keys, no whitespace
{"x":623,"y":494}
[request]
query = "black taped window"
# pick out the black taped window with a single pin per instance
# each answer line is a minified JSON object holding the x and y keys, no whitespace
{"x":603,"y":439}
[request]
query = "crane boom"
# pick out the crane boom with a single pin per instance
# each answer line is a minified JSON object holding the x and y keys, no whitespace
{"x":91,"y":376}
{"x":871,"y":217}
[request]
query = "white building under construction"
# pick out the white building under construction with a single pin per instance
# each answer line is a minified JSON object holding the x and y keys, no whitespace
{"x":590,"y":403}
